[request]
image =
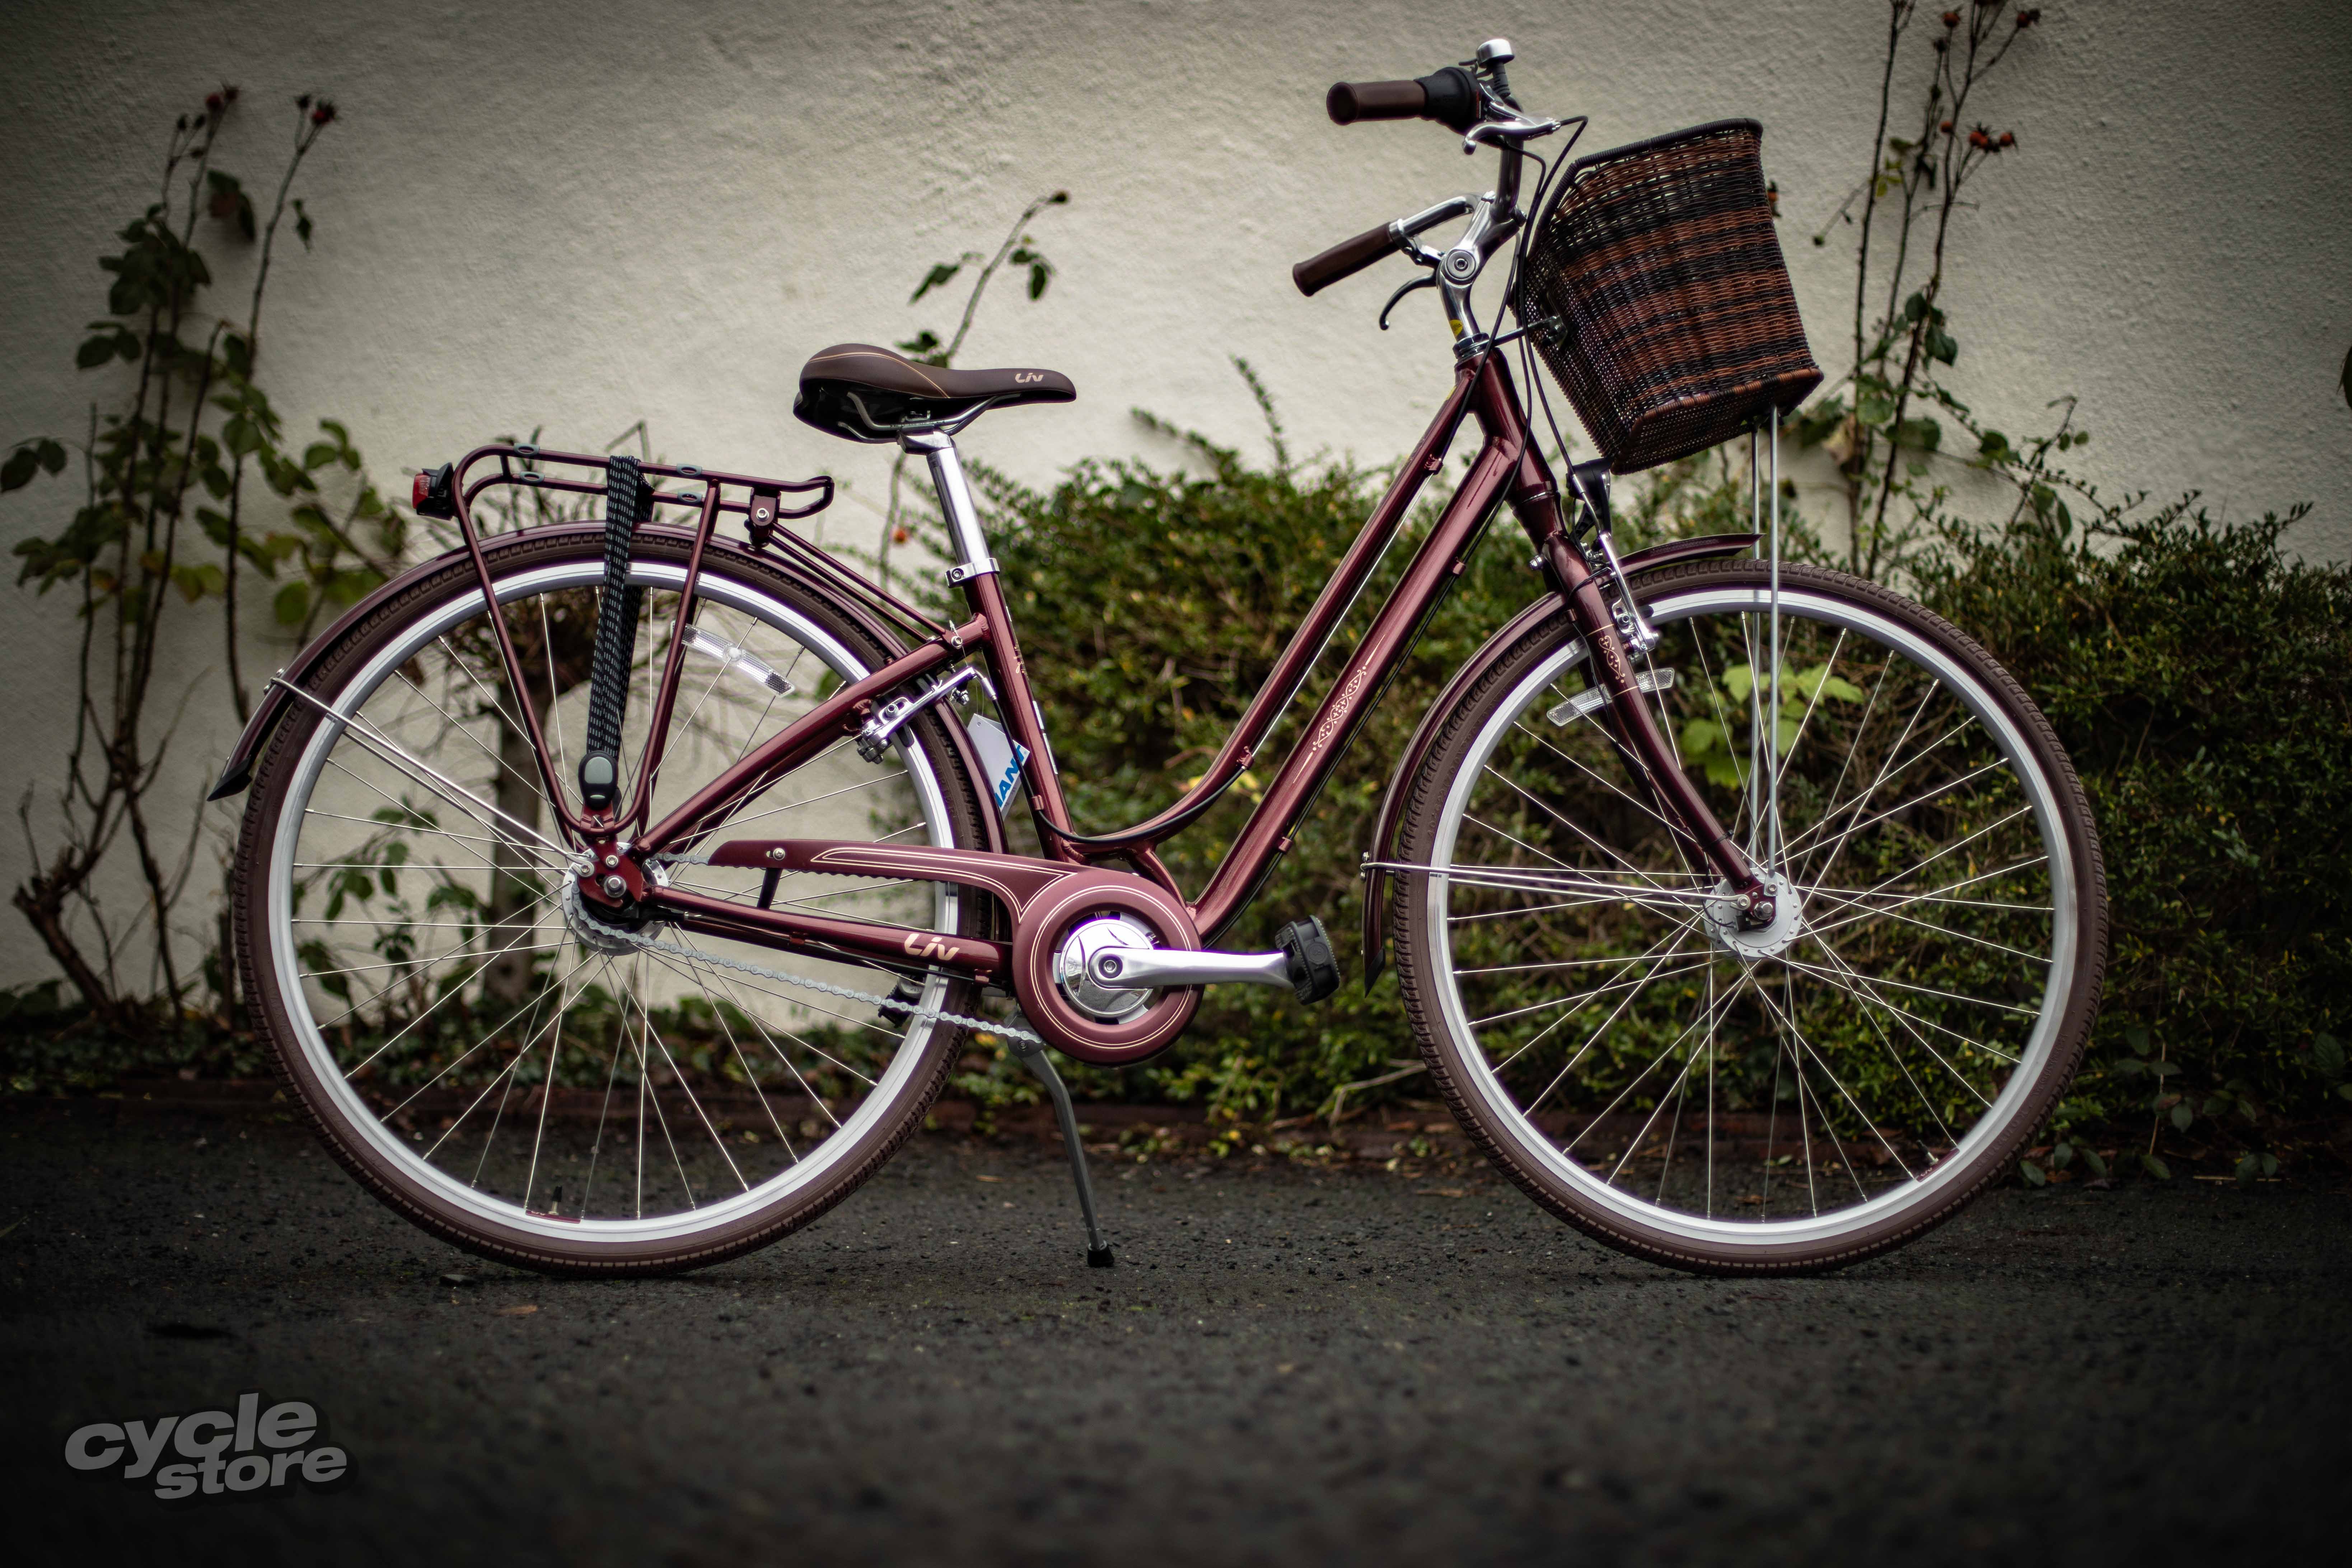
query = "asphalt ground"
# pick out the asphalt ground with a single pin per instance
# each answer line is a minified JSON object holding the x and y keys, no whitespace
{"x":1291,"y":1364}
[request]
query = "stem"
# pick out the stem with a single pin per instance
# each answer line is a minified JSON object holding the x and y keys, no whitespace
{"x":1948,"y":97}
{"x":152,"y":870}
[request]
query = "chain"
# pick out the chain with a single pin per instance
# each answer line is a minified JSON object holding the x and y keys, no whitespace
{"x":694,"y":956}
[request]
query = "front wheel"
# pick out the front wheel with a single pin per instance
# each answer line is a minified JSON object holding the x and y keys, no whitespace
{"x":1778,"y":1100}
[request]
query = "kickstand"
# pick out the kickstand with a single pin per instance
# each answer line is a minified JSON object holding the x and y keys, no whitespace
{"x":1033,"y":1055}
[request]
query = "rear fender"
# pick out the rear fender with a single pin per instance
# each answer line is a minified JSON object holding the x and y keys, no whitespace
{"x":237,"y":774}
{"x":1673,"y":553}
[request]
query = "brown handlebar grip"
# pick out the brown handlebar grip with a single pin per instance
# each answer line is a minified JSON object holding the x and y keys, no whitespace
{"x":1349,"y":101}
{"x":1344,"y":259}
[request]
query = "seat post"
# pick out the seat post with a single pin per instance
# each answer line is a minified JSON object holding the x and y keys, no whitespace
{"x":955,"y":503}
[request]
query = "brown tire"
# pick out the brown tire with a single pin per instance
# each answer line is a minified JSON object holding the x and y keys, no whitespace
{"x":1723,"y":1100}
{"x":761,"y":1098}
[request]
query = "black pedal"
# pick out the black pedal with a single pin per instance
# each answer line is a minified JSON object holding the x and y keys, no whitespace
{"x":1314,"y":971}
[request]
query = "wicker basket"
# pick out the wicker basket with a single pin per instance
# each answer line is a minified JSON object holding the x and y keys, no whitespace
{"x":1660,"y":299}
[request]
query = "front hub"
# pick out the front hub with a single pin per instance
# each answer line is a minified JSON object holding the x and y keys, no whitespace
{"x":1728,"y":920}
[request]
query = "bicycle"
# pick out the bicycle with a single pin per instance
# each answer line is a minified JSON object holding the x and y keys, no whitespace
{"x":1748,"y":916}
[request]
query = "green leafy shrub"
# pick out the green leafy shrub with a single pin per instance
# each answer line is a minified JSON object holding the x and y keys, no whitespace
{"x":2193,"y":669}
{"x":2197,"y":675}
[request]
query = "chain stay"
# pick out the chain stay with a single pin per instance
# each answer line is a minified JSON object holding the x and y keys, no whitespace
{"x":693,"y":955}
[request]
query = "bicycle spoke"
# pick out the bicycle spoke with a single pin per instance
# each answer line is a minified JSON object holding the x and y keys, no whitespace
{"x":1689,"y":1060}
{"x":1864,"y":989}
{"x":1798,"y":1035}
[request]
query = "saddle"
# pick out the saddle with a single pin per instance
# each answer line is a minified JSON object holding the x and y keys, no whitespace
{"x":862,"y":393}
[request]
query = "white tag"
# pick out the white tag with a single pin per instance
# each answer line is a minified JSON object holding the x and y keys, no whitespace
{"x":1000,"y":756}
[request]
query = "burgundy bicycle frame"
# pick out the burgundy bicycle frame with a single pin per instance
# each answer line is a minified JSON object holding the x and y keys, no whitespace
{"x":1509,"y":465}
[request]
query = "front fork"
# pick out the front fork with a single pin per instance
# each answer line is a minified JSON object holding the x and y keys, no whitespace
{"x":1537,"y":502}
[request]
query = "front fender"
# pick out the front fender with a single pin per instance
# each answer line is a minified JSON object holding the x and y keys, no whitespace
{"x":1673,"y":552}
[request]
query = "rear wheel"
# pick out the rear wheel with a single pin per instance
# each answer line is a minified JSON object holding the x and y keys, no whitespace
{"x":1785,"y":1100}
{"x":524,"y":1082}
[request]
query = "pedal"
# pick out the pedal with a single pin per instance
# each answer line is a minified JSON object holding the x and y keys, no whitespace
{"x":1314,"y":968}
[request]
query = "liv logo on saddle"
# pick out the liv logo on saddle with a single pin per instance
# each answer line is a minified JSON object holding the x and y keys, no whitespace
{"x":257,"y":1447}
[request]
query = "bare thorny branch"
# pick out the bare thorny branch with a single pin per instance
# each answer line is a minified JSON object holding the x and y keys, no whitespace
{"x":1879,"y":445}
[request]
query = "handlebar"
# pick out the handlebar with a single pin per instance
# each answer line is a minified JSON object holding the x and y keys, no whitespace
{"x":1473,"y":98}
{"x":1348,"y":257}
{"x":1351,"y":257}
{"x":1448,"y":96}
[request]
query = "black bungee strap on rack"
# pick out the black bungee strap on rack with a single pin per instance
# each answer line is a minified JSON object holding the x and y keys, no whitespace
{"x":628,"y":500}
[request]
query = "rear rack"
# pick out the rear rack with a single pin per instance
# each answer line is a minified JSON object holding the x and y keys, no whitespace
{"x":762,"y":507}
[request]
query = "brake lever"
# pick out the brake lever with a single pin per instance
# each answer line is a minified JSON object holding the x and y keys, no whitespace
{"x":1425,"y":282}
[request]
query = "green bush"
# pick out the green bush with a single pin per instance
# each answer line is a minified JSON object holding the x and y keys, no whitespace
{"x":2197,"y":676}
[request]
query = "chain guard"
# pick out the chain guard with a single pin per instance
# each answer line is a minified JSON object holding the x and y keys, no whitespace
{"x":1037,"y":941}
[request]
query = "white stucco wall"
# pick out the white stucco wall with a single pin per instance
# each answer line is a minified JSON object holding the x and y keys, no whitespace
{"x":583,"y":214}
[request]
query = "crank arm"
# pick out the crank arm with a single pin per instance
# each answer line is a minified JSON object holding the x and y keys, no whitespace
{"x":1304,"y":962}
{"x":1135,"y":969}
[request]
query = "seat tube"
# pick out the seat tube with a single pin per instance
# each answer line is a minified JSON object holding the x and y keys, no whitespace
{"x":955,"y":503}
{"x":973,"y":572}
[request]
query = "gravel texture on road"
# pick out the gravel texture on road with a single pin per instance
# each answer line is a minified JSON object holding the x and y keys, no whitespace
{"x":1290,"y":1365}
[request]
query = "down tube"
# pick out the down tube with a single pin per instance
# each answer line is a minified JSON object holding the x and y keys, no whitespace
{"x":1440,"y":560}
